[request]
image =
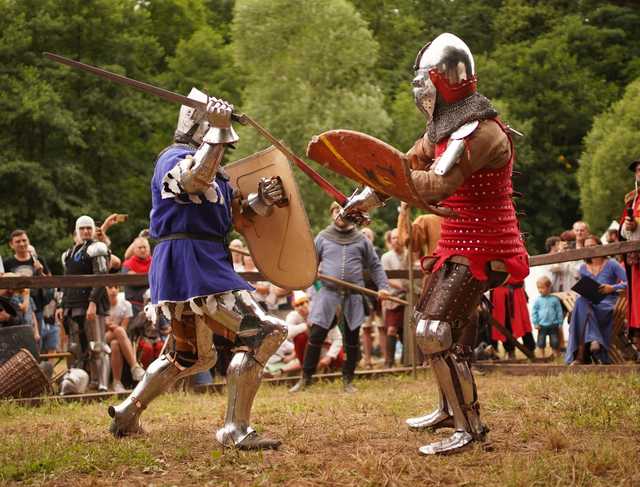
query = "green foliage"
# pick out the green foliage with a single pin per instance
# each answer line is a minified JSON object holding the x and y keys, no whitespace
{"x":311,"y":73}
{"x":71,"y":143}
{"x":612,"y":143}
{"x":546,"y":83}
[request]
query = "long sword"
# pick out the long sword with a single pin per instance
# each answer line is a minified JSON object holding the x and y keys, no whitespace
{"x":241,"y":118}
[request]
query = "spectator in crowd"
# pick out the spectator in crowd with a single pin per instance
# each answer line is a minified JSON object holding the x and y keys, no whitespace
{"x":581,"y":230}
{"x":568,"y":238}
{"x":394,"y":260}
{"x":84,"y":310}
{"x":16,"y":308}
{"x":120,"y":312}
{"x":591,"y":324}
{"x":25,"y":262}
{"x":296,"y":321}
{"x":344,"y":253}
{"x":630,"y":230}
{"x":332,"y":353}
{"x":151,"y":338}
{"x":9,"y":315}
{"x":373,"y":313}
{"x":611,"y":236}
{"x":547,"y":317}
{"x":563,"y":275}
{"x":138,"y":263}
{"x":237,"y":257}
{"x":510,"y":310}
{"x":22,"y":299}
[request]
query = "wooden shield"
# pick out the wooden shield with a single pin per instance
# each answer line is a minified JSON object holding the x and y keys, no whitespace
{"x":281,"y":244}
{"x":367,"y":161}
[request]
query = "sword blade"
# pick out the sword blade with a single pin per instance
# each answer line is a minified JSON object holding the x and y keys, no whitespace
{"x":123,"y":80}
{"x":243,"y":119}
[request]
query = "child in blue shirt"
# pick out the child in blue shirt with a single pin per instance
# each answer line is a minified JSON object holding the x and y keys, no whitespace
{"x":547,"y":316}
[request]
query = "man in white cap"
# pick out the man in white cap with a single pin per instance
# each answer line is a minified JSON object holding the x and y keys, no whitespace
{"x":84,"y":309}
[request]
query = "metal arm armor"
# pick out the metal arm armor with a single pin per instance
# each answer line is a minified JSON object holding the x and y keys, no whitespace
{"x":100,"y":257}
{"x":205,"y":164}
{"x":455,"y":149}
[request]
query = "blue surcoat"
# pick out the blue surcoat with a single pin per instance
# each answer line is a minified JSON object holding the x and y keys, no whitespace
{"x":187,"y":268}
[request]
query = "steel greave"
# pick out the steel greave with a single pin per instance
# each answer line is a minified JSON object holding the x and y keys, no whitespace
{"x":243,"y":380}
{"x":99,"y":351}
{"x":440,"y":418}
{"x":160,"y":375}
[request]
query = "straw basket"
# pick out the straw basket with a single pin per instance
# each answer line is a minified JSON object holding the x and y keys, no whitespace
{"x":20,"y":376}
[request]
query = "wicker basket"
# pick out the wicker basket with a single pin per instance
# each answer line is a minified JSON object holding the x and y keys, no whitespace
{"x":20,"y":376}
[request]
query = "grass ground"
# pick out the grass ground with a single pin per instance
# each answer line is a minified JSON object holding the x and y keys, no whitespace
{"x":567,"y":430}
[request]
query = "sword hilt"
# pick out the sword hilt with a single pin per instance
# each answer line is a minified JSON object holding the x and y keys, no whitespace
{"x":240,"y":118}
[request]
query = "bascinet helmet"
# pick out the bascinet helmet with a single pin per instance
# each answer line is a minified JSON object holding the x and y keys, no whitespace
{"x":443,"y":67}
{"x":192,"y":123}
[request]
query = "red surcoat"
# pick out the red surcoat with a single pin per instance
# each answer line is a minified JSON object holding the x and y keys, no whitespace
{"x":486,"y":228}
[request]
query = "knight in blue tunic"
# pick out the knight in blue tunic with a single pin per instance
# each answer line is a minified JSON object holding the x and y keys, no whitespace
{"x":192,"y":279}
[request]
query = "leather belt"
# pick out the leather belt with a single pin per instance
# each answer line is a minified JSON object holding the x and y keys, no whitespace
{"x":193,"y":236}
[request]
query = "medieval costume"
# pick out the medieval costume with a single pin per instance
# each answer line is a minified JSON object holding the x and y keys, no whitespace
{"x":192,"y":279}
{"x":509,"y":308}
{"x":344,"y":253}
{"x":464,"y":162}
{"x":632,"y":259}
{"x":86,"y":334}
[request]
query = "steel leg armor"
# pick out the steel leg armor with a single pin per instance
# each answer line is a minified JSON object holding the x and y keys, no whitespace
{"x":245,"y":373}
{"x":450,"y":296}
{"x":75,"y":343}
{"x":99,"y":352}
{"x":184,"y":354}
{"x":190,"y":350}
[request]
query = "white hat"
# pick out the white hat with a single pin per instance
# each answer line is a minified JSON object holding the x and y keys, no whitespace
{"x":85,"y":221}
{"x":299,"y":297}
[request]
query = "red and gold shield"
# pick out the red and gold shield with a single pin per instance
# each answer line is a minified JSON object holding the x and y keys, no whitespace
{"x":367,"y":161}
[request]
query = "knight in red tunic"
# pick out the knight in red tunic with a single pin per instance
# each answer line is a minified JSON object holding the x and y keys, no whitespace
{"x":463,"y":163}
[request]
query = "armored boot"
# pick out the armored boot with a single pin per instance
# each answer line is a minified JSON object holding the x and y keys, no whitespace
{"x":245,"y":374}
{"x":192,"y":343}
{"x":460,"y":392}
{"x":440,"y":418}
{"x":434,"y":337}
{"x":160,"y":375}
{"x":243,"y":380}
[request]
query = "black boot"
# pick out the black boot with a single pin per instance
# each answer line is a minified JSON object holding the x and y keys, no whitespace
{"x":349,"y":366}
{"x":392,"y":340}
